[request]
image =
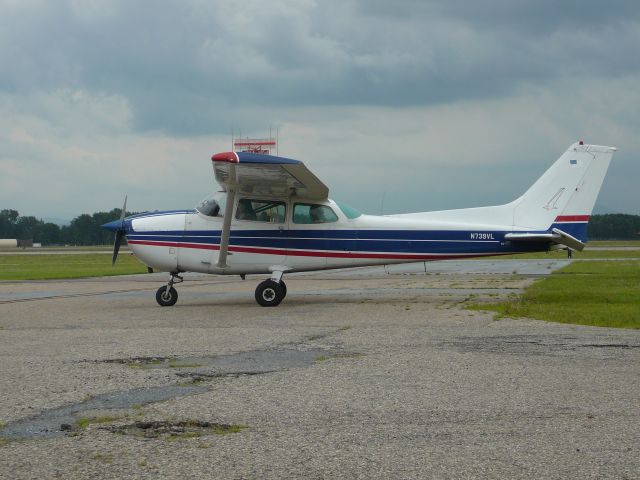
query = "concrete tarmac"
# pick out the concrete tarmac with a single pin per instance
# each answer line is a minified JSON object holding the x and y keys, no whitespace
{"x":365,"y":374}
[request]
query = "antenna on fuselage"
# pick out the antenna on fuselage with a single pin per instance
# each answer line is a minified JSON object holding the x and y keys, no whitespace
{"x":384,"y":194}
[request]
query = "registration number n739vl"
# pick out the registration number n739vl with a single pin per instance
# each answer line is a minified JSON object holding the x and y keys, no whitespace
{"x":481,"y":236}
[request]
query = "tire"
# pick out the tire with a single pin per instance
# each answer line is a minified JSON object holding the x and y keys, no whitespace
{"x":164,"y":299}
{"x":269,"y":293}
{"x":284,"y":288}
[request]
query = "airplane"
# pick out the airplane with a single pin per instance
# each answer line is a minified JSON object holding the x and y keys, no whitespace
{"x":274,"y":216}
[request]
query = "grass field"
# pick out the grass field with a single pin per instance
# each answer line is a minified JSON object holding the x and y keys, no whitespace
{"x":561,"y":254}
{"x":42,"y":267}
{"x":603,"y":294}
{"x":614,"y":243}
{"x":603,"y":249}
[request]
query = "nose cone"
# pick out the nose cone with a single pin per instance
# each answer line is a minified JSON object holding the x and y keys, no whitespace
{"x":113,"y":226}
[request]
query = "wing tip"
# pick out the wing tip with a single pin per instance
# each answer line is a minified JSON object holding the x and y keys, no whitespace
{"x":228,"y":157}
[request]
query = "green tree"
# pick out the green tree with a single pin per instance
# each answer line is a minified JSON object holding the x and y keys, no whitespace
{"x":8,"y":219}
{"x":614,"y":226}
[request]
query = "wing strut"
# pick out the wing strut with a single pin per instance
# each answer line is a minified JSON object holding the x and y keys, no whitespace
{"x":228,"y":214}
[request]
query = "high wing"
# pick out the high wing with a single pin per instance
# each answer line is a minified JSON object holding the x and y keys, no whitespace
{"x":556,"y":236}
{"x":252,"y":173}
{"x":257,"y":174}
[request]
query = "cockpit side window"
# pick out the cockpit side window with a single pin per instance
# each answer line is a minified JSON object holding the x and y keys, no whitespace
{"x":307,"y":213}
{"x":213,"y":205}
{"x":261,"y":210}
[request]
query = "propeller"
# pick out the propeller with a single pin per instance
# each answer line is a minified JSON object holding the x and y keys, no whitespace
{"x":117,"y":226}
{"x":119,"y":233}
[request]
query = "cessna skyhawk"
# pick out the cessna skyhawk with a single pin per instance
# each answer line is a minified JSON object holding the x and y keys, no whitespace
{"x":274,"y":216}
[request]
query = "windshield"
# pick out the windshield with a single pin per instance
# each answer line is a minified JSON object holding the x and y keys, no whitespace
{"x":213,"y":205}
{"x":348,"y":211}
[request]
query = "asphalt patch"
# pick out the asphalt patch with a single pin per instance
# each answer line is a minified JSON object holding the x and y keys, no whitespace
{"x":538,"y":345}
{"x":173,"y":430}
{"x":62,"y":420}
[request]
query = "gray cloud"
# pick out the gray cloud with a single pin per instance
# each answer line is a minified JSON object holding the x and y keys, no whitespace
{"x":185,"y":66}
{"x":113,"y":96}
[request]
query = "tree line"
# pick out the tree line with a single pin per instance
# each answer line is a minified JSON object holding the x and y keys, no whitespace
{"x":614,"y":226}
{"x":82,"y":230}
{"x":85,"y":229}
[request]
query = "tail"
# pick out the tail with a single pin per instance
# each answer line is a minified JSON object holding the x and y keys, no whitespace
{"x":564,"y":196}
{"x":555,"y":209}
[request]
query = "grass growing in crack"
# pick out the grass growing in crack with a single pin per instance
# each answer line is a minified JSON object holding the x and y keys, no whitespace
{"x":182,"y":436}
{"x":344,"y":329}
{"x":227,"y":429}
{"x":324,"y":358}
{"x":174,"y":431}
{"x":603,"y":294}
{"x":175,"y":364}
{"x":145,"y":365}
{"x":84,"y":422}
{"x":103,"y":457}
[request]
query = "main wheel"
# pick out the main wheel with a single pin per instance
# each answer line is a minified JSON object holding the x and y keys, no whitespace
{"x":166,"y":299}
{"x":269,"y":293}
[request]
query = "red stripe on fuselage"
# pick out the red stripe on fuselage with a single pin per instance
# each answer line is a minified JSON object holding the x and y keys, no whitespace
{"x":303,"y":253}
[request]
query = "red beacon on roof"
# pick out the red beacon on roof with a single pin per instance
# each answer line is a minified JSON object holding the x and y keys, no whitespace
{"x":581,"y":142}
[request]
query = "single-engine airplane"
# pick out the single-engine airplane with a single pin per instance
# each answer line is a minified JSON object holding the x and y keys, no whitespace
{"x":273,"y":216}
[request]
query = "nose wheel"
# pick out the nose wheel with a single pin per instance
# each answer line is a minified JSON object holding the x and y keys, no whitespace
{"x":167,"y":296}
{"x":270,"y":293}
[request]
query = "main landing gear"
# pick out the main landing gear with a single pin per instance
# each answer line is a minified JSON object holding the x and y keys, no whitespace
{"x":268,"y":293}
{"x":167,"y":296}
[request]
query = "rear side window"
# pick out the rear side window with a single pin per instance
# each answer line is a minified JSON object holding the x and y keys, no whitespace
{"x":308,"y":213}
{"x":261,"y":210}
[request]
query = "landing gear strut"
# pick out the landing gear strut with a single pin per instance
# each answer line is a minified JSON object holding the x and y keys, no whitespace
{"x":167,"y":296}
{"x":271,"y":292}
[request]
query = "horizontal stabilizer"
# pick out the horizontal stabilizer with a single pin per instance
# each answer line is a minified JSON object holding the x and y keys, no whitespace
{"x":567,"y":240}
{"x":557,"y":236}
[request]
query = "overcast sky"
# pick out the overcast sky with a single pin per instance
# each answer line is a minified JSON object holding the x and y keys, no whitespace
{"x":396,"y":105}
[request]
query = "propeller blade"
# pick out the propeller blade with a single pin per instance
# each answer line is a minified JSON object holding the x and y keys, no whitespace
{"x":116,"y":246}
{"x":123,"y":213}
{"x":119,"y":233}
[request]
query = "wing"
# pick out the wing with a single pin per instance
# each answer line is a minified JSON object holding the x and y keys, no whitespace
{"x":557,"y":236}
{"x":267,"y":175}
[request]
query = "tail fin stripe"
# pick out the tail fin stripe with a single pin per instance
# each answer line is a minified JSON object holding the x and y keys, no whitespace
{"x":572,"y":218}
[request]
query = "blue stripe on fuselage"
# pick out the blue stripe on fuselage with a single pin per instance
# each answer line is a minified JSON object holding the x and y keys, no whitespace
{"x":392,"y":241}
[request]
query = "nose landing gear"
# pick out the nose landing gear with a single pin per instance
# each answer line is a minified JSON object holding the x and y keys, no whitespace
{"x":167,"y":296}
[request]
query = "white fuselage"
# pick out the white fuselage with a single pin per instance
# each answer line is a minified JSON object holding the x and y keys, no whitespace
{"x":190,"y":241}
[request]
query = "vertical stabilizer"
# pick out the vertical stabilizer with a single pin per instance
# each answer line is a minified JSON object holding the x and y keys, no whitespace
{"x":564,"y":196}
